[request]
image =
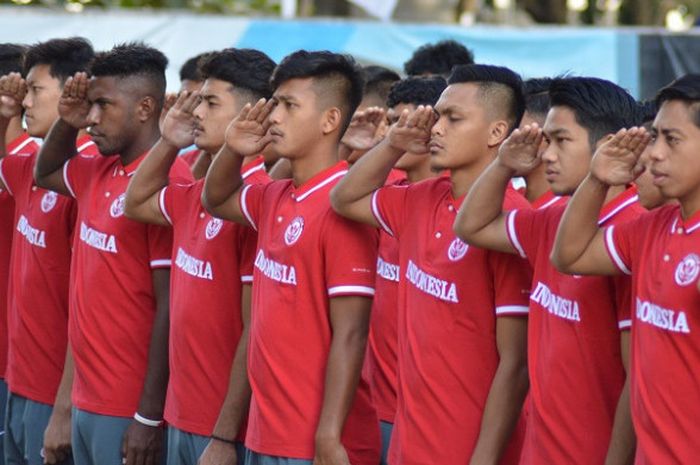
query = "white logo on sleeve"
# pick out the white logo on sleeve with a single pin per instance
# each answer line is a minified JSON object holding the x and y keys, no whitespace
{"x":117,"y":208}
{"x":48,"y":201}
{"x":294,"y":230}
{"x":457,"y":250}
{"x":213,"y":228}
{"x":687,"y":270}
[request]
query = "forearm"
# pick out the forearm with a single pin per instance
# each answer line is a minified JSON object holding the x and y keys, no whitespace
{"x":62,"y":403}
{"x":223,"y":180}
{"x":579,"y":224}
{"x":149,"y":179}
{"x":502,"y":411}
{"x":58,"y":147}
{"x":623,"y":440}
{"x":342,"y":376}
{"x":4,"y":126}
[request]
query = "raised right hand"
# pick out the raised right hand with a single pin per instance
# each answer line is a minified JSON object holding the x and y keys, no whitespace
{"x":73,"y":106}
{"x":12,"y":91}
{"x":218,"y":453}
{"x":367,"y":128}
{"x":247,"y":134}
{"x":520,"y":151}
{"x":412,"y":132}
{"x":178,"y":125}
{"x":616,"y":162}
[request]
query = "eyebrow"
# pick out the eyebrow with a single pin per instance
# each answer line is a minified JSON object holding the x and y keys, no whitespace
{"x":557,"y":132}
{"x":666,"y":131}
{"x":283,"y":98}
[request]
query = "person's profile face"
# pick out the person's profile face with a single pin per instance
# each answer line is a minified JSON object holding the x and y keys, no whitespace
{"x":41,"y":101}
{"x":112,"y":118}
{"x":217,"y":107}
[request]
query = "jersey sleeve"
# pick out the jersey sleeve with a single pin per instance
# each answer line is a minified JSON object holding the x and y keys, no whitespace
{"x":525,"y":229}
{"x":169,"y":198}
{"x":388,"y":205}
{"x":250,"y":202}
{"x":180,"y":172}
{"x":512,"y":280}
{"x":77,"y":173}
{"x":624,"y":300}
{"x":248,"y":241}
{"x":349,"y":257}
{"x":160,"y":246}
{"x":620,"y":245}
{"x":14,"y":171}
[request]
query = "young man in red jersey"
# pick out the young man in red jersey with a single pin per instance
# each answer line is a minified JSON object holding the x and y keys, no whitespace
{"x":462,"y":310}
{"x":314,"y":270}
{"x":579,"y":326}
{"x":40,"y":368}
{"x":212,"y":260}
{"x":119,"y":303}
{"x":660,"y":250}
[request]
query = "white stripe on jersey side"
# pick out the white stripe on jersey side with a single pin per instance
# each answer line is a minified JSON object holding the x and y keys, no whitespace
{"x":247,"y":174}
{"x":612,"y":251}
{"x":692,"y":228}
{"x":624,"y":324}
{"x":378,"y":216}
{"x":364,"y":290}
{"x":161,"y":263}
{"x":622,"y":206}
{"x":161,"y":205}
{"x":21,"y":146}
{"x":512,"y":234}
{"x":65,"y":179}
{"x":244,"y":207}
{"x":322,"y":184}
{"x":513,"y":309}
{"x":550,"y":203}
{"x":2,"y":178}
{"x":85,"y":145}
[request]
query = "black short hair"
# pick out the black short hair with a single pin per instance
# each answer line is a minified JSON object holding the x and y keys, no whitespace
{"x":498,"y":85}
{"x":11,"y":58}
{"x":417,"y":90}
{"x":246,"y":69}
{"x":133,"y":59}
{"x":647,"y":111}
{"x":64,"y":57}
{"x":438,"y":58}
{"x":536,"y":92}
{"x":686,"y":89}
{"x":190,"y":69}
{"x":600,"y":106}
{"x":378,"y":81}
{"x":340,"y":72}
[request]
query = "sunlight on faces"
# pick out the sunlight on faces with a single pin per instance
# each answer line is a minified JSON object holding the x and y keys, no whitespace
{"x":464,"y":131}
{"x":219,"y":104}
{"x":568,"y":153}
{"x":673,"y":155}
{"x":41,"y":101}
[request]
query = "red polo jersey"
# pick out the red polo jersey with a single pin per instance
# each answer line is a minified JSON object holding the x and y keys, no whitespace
{"x":548,"y":199}
{"x":211,"y":259}
{"x":573,"y":341}
{"x":662,"y":253}
{"x":190,"y":157}
{"x":113,"y":303}
{"x":450,"y":296}
{"x":38,"y":321}
{"x":23,"y":145}
{"x":306,"y":255}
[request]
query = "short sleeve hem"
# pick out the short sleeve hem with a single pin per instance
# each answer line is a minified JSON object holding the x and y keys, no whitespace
{"x":348,"y":290}
{"x":162,"y":206}
{"x":378,"y":216}
{"x":512,"y":232}
{"x":247,"y":279}
{"x":161,"y":263}
{"x":244,"y":206}
{"x":624,"y":325}
{"x":4,"y":181}
{"x":66,"y":179}
{"x":613,"y":252}
{"x":512,"y":310}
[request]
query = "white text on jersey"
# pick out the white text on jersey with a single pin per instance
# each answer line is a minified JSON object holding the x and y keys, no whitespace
{"x":274,"y":270}
{"x":556,"y":305}
{"x":663,"y":318}
{"x":97,"y":239}
{"x":387,"y":270}
{"x":431,"y":285}
{"x":193,"y":266}
{"x":34,"y":236}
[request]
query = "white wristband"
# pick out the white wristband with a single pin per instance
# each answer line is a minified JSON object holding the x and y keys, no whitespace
{"x":146,"y":421}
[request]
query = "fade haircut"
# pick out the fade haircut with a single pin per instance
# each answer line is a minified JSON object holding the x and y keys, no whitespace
{"x":134,"y":60}
{"x":332,"y":73}
{"x":685,"y":89}
{"x":11,"y":58}
{"x":536,"y":92}
{"x":416,"y":91}
{"x":438,"y":58}
{"x":647,"y":112}
{"x":378,"y":82}
{"x":64,"y":57}
{"x":599,"y":106}
{"x":190,"y":70}
{"x":499,"y":87}
{"x":247,"y":70}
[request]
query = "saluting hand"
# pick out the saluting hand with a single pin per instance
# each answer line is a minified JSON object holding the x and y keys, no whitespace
{"x":412,"y":132}
{"x":616,"y":162}
{"x":12,"y":91}
{"x":520,"y":151}
{"x":247,"y":134}
{"x":73,"y":106}
{"x":178,"y":125}
{"x":367,"y":128}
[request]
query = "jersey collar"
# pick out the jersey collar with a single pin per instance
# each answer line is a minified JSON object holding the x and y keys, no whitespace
{"x":83,"y":143}
{"x":253,"y":166}
{"x":688,"y":226}
{"x":616,"y":205}
{"x":547,"y":199}
{"x":320,"y":180}
{"x":129,"y":169}
{"x":22,"y":142}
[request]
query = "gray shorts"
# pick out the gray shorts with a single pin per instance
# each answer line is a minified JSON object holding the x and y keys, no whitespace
{"x":386,"y":428}
{"x":97,"y":439}
{"x":185,"y":448}
{"x":25,"y":423}
{"x":254,"y":458}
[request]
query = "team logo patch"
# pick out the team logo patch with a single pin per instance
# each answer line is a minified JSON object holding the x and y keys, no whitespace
{"x":687,"y":270}
{"x":48,"y":201}
{"x":213,"y":228}
{"x":294,"y":230}
{"x":117,"y":208}
{"x":457,"y":250}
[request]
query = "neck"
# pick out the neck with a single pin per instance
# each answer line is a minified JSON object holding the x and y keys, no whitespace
{"x":690,"y":204}
{"x":146,"y":139}
{"x":536,"y":184}
{"x":420,"y":172}
{"x":463,"y":178}
{"x":312,"y":163}
{"x":14,"y":129}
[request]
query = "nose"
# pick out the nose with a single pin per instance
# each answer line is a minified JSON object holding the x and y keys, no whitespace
{"x":27,"y":101}
{"x":656,"y":150}
{"x":549,"y":155}
{"x":93,"y":116}
{"x":198,"y":111}
{"x":438,"y":128}
{"x":276,"y":115}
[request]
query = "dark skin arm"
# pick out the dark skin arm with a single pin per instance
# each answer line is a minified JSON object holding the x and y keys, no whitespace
{"x":235,"y":407}
{"x":142,"y":444}
{"x":507,"y":394}
{"x":57,"y":436}
{"x":349,"y":317}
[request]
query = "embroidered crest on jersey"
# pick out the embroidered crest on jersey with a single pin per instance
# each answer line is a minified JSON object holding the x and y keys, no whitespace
{"x":458,"y":249}
{"x":213,"y":228}
{"x":687,"y":270}
{"x":294,"y":230}
{"x":117,"y":208}
{"x":48,"y":201}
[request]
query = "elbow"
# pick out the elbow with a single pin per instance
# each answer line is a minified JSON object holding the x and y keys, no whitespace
{"x":464,"y":231}
{"x":131,"y":207}
{"x":209,"y":205}
{"x":39,"y":179}
{"x":560,"y":262}
{"x":336,"y":199}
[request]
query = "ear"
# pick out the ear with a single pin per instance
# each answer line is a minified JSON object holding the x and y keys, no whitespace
{"x":147,"y":108}
{"x":332,"y":119}
{"x":498,"y":132}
